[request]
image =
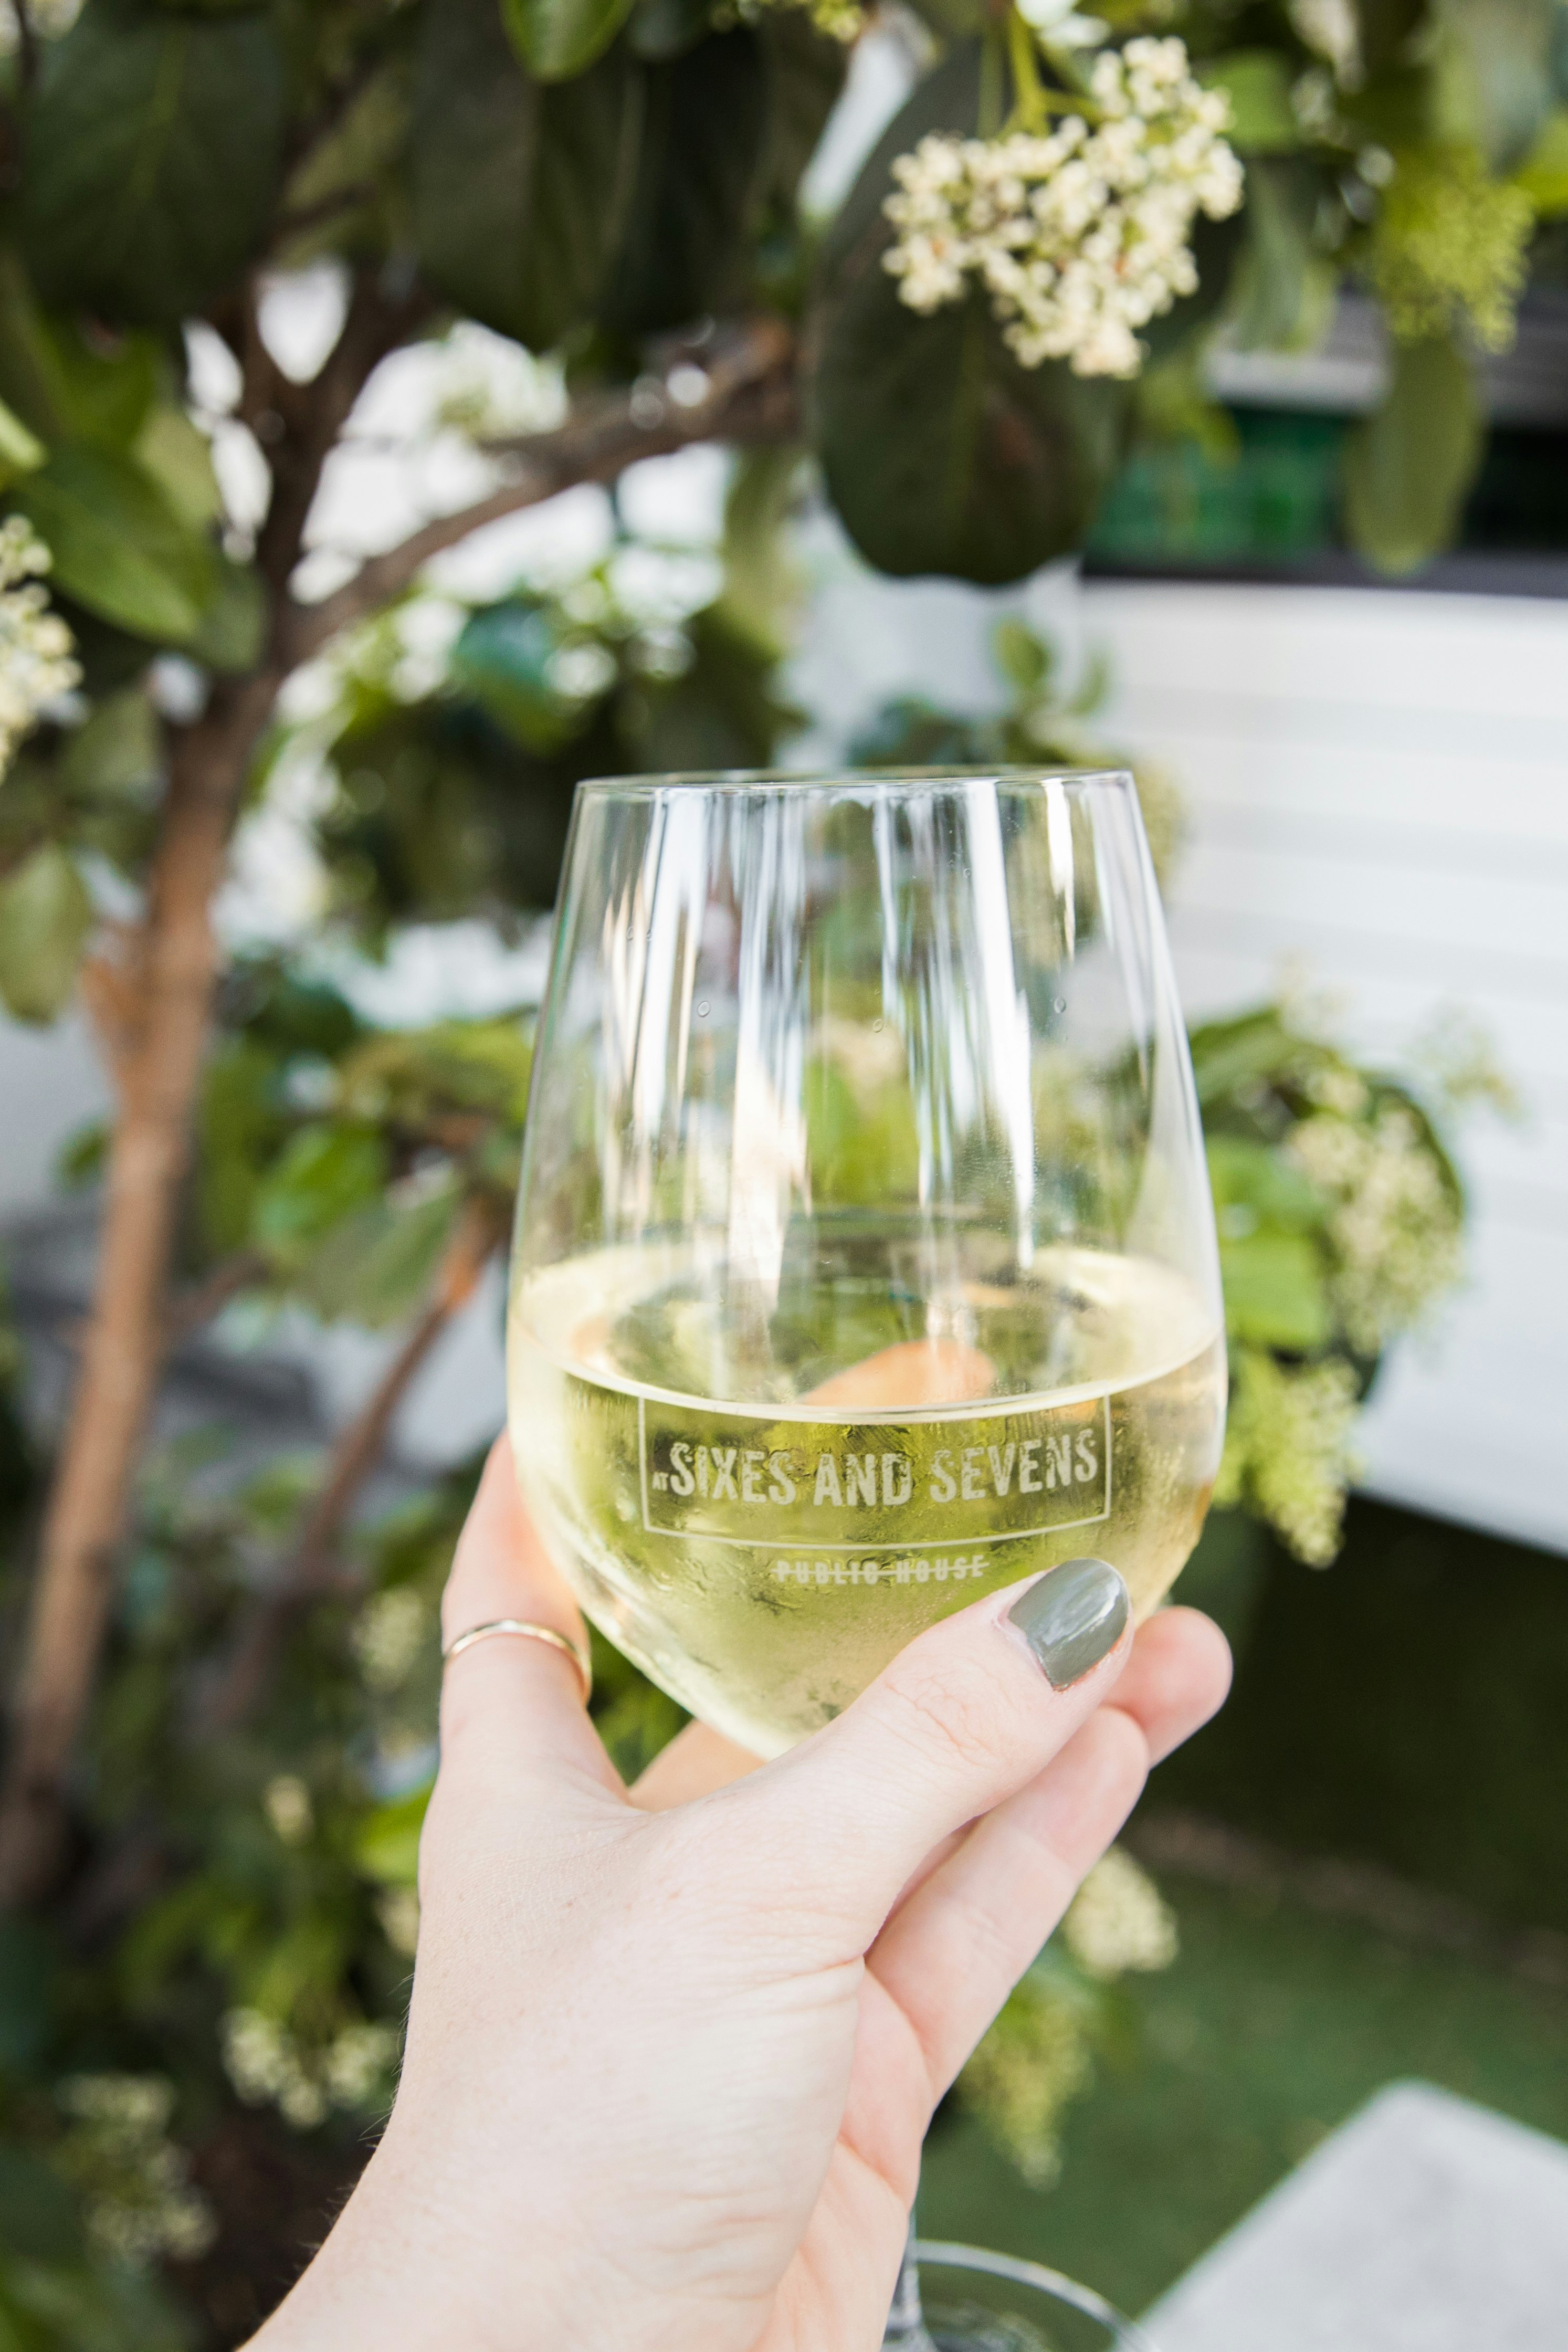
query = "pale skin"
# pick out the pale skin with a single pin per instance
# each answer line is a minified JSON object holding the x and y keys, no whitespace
{"x":673,"y":2050}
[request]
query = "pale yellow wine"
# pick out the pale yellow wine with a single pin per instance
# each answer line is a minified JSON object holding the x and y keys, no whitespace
{"x":761,"y":1504}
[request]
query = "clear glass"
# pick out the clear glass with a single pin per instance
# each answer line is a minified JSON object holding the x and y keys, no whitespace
{"x":979,"y":2302}
{"x":865,"y":1259}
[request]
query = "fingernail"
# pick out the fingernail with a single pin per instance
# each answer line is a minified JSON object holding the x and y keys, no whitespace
{"x":1073,"y":1618}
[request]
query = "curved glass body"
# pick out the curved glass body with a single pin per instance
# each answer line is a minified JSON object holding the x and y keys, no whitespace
{"x":865,"y":1258}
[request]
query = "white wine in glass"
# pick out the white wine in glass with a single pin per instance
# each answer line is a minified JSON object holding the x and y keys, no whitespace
{"x":866,"y":1260}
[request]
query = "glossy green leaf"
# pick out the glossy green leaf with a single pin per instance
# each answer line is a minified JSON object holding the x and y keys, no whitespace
{"x":518,"y":190}
{"x":151,"y":158}
{"x":940,"y":453}
{"x":1275,"y":1293}
{"x":703,"y":120}
{"x":46,"y":916}
{"x":119,"y":547}
{"x":1257,"y":84}
{"x":556,"y":38}
{"x":1408,"y":469}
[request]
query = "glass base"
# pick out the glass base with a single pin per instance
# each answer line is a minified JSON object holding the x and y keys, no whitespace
{"x":973,"y":2301}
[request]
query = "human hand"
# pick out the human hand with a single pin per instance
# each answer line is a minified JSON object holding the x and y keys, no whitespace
{"x":672,"y":2054}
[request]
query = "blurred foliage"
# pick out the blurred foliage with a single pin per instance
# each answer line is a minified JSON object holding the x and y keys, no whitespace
{"x":195,"y":2037}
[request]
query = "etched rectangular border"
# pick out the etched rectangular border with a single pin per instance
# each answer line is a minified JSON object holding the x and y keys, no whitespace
{"x":944,"y":1543}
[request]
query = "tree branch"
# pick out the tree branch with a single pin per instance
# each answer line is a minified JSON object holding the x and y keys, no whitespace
{"x":750,"y":394}
{"x":313,"y":1570}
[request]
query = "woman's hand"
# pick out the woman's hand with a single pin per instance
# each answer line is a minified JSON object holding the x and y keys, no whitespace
{"x":672,"y":2054}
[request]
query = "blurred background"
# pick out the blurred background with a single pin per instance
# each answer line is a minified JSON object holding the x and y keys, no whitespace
{"x":1336,"y":654}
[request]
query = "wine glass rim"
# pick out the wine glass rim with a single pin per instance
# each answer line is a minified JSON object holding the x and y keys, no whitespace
{"x":1013,"y":778}
{"x":944,"y":2253}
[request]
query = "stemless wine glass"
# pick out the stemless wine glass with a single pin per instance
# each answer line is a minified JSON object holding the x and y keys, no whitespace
{"x":866,"y":1260}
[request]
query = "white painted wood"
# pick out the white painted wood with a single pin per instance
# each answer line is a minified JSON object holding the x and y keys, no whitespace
{"x":1378,"y":790}
{"x":1425,"y":2224}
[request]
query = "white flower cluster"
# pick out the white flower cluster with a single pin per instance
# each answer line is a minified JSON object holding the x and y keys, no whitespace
{"x":1119,"y":1921}
{"x":1290,"y":1448}
{"x":138,"y":2199}
{"x":1395,"y":1230}
{"x":36,"y":665}
{"x":1080,"y":236}
{"x":269,"y":2067}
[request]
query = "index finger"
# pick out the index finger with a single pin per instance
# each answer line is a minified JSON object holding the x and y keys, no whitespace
{"x":510,"y":1703}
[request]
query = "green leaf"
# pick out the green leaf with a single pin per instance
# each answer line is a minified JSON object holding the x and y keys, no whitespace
{"x":328,"y":1171}
{"x":352,"y":169}
{"x":1275,"y":1293}
{"x":46,"y":915}
{"x":1257,"y":84}
{"x":1410,"y":466}
{"x":180,"y":460}
{"x":703,"y":120}
{"x":504,"y":658}
{"x":1024,"y":659}
{"x":941,"y":453}
{"x":152,"y":159}
{"x":763,"y":582}
{"x":518,"y":191}
{"x":387,"y":1845}
{"x":1257,"y":1177}
{"x":119,"y":547}
{"x":68,"y":380}
{"x":1283,"y":288}
{"x":20,"y":451}
{"x":556,"y":38}
{"x":378,"y":1265}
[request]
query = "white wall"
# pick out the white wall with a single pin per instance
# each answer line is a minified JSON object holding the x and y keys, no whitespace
{"x":1379,"y":788}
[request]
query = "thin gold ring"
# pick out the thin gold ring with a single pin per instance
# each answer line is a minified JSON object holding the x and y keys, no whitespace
{"x":568,"y":1649}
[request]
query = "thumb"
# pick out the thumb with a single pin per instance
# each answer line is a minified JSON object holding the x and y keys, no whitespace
{"x":970,"y":1712}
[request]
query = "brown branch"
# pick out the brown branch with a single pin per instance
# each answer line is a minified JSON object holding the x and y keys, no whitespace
{"x":314,"y":1571}
{"x":750,"y":395}
{"x":160,"y":1064}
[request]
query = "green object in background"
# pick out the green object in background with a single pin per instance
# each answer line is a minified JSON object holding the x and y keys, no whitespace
{"x":1273,"y":2027}
{"x":1445,"y":1752}
{"x":1277,"y":497}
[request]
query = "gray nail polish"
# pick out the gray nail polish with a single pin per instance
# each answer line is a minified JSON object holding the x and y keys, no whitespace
{"x":1073,"y":1618}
